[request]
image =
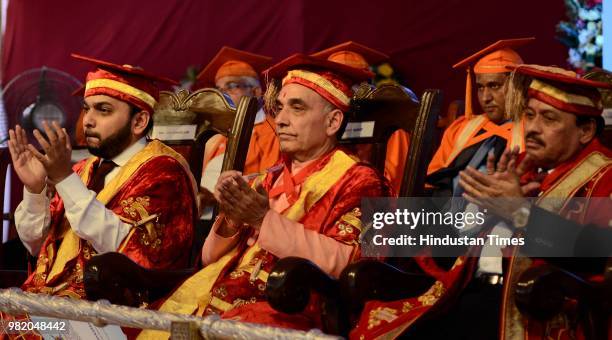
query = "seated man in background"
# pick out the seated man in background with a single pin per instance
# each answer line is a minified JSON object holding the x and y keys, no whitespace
{"x":362,"y":57}
{"x":133,"y":196}
{"x":236,"y":73}
{"x":309,"y":208}
{"x":467,"y":141}
{"x":469,"y":138}
{"x":562,"y":118}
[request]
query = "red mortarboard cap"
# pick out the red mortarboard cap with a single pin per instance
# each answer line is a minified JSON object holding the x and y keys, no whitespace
{"x":329,"y":79}
{"x":563,"y":89}
{"x":232,"y":62}
{"x":124,"y":82}
{"x":352,"y":54}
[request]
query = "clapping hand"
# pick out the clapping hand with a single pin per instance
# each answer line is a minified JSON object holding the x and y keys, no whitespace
{"x":240,"y":202}
{"x":58,"y":152}
{"x":499,"y":190}
{"x":29,"y":169}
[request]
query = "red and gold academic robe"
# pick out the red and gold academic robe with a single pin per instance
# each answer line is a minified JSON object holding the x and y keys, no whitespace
{"x":587,"y":175}
{"x":390,"y":319}
{"x":154,"y":181}
{"x":328,"y":202}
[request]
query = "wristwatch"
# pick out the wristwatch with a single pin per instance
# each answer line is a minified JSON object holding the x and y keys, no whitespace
{"x":520,"y":216}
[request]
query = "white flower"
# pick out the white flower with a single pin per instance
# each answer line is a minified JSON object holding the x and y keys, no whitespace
{"x":584,"y":37}
{"x":599,"y":40}
{"x":590,"y":49}
{"x":591,"y":26}
{"x":575,"y":57}
{"x":594,"y":14}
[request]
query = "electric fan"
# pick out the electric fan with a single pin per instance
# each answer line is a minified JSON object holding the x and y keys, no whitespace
{"x":42,"y":94}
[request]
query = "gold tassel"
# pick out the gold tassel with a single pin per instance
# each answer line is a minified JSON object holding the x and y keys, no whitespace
{"x":516,"y":95}
{"x":469,"y":113}
{"x":270,"y":96}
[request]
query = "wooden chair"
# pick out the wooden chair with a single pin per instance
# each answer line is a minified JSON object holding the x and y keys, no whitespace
{"x":293,"y":279}
{"x":212,"y":114}
{"x":376,"y":114}
{"x":115,"y":277}
{"x":542,"y":293}
{"x":606,"y":98}
{"x":5,"y":160}
{"x":10,"y":276}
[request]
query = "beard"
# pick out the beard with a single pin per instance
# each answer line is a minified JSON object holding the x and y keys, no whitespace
{"x":113,"y":145}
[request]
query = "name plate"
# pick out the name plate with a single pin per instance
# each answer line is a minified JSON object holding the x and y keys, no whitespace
{"x":607,"y":116}
{"x":174,"y":132}
{"x":359,"y":130}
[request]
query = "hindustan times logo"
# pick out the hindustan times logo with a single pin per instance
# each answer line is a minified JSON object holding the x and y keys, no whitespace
{"x":411,"y":219}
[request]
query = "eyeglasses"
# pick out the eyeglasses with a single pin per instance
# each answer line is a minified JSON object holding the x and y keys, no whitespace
{"x":232,"y":86}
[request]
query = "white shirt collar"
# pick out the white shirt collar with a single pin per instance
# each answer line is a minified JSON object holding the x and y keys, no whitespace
{"x":128,"y":153}
{"x":260,"y":116}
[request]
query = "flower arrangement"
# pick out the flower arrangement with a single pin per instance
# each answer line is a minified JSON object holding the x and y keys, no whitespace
{"x":582,"y":33}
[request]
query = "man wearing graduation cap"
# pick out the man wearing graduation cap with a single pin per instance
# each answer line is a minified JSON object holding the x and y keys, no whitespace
{"x":470,"y":137}
{"x":466,"y":142}
{"x":236,"y":73}
{"x":134,"y":196}
{"x":309,"y":208}
{"x":359,"y":56}
{"x":562,"y":118}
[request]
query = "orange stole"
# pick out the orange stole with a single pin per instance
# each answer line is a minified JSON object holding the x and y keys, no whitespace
{"x":462,"y":133}
{"x":395,"y":160}
{"x":264,"y":148}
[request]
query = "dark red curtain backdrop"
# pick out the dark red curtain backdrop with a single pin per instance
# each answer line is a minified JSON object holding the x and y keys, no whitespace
{"x":423,"y":37}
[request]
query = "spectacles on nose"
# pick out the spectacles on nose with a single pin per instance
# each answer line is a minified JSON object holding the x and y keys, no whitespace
{"x":233,"y":86}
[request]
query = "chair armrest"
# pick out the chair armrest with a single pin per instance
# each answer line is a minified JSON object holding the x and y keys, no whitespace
{"x":541,"y":291}
{"x":544,"y":291}
{"x":12,"y":278}
{"x":114,"y":277}
{"x":374,"y":280}
{"x":289,"y":287}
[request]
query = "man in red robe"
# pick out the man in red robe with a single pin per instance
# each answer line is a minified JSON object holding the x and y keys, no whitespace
{"x":134,"y":196}
{"x":467,"y":141}
{"x":309,"y":207}
{"x":562,"y":118}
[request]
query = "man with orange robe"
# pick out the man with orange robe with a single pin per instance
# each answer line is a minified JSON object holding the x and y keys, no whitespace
{"x":134,"y":196}
{"x":466,"y":135}
{"x":235,"y":73}
{"x":359,"y":56}
{"x":309,"y":208}
{"x":467,"y":141}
